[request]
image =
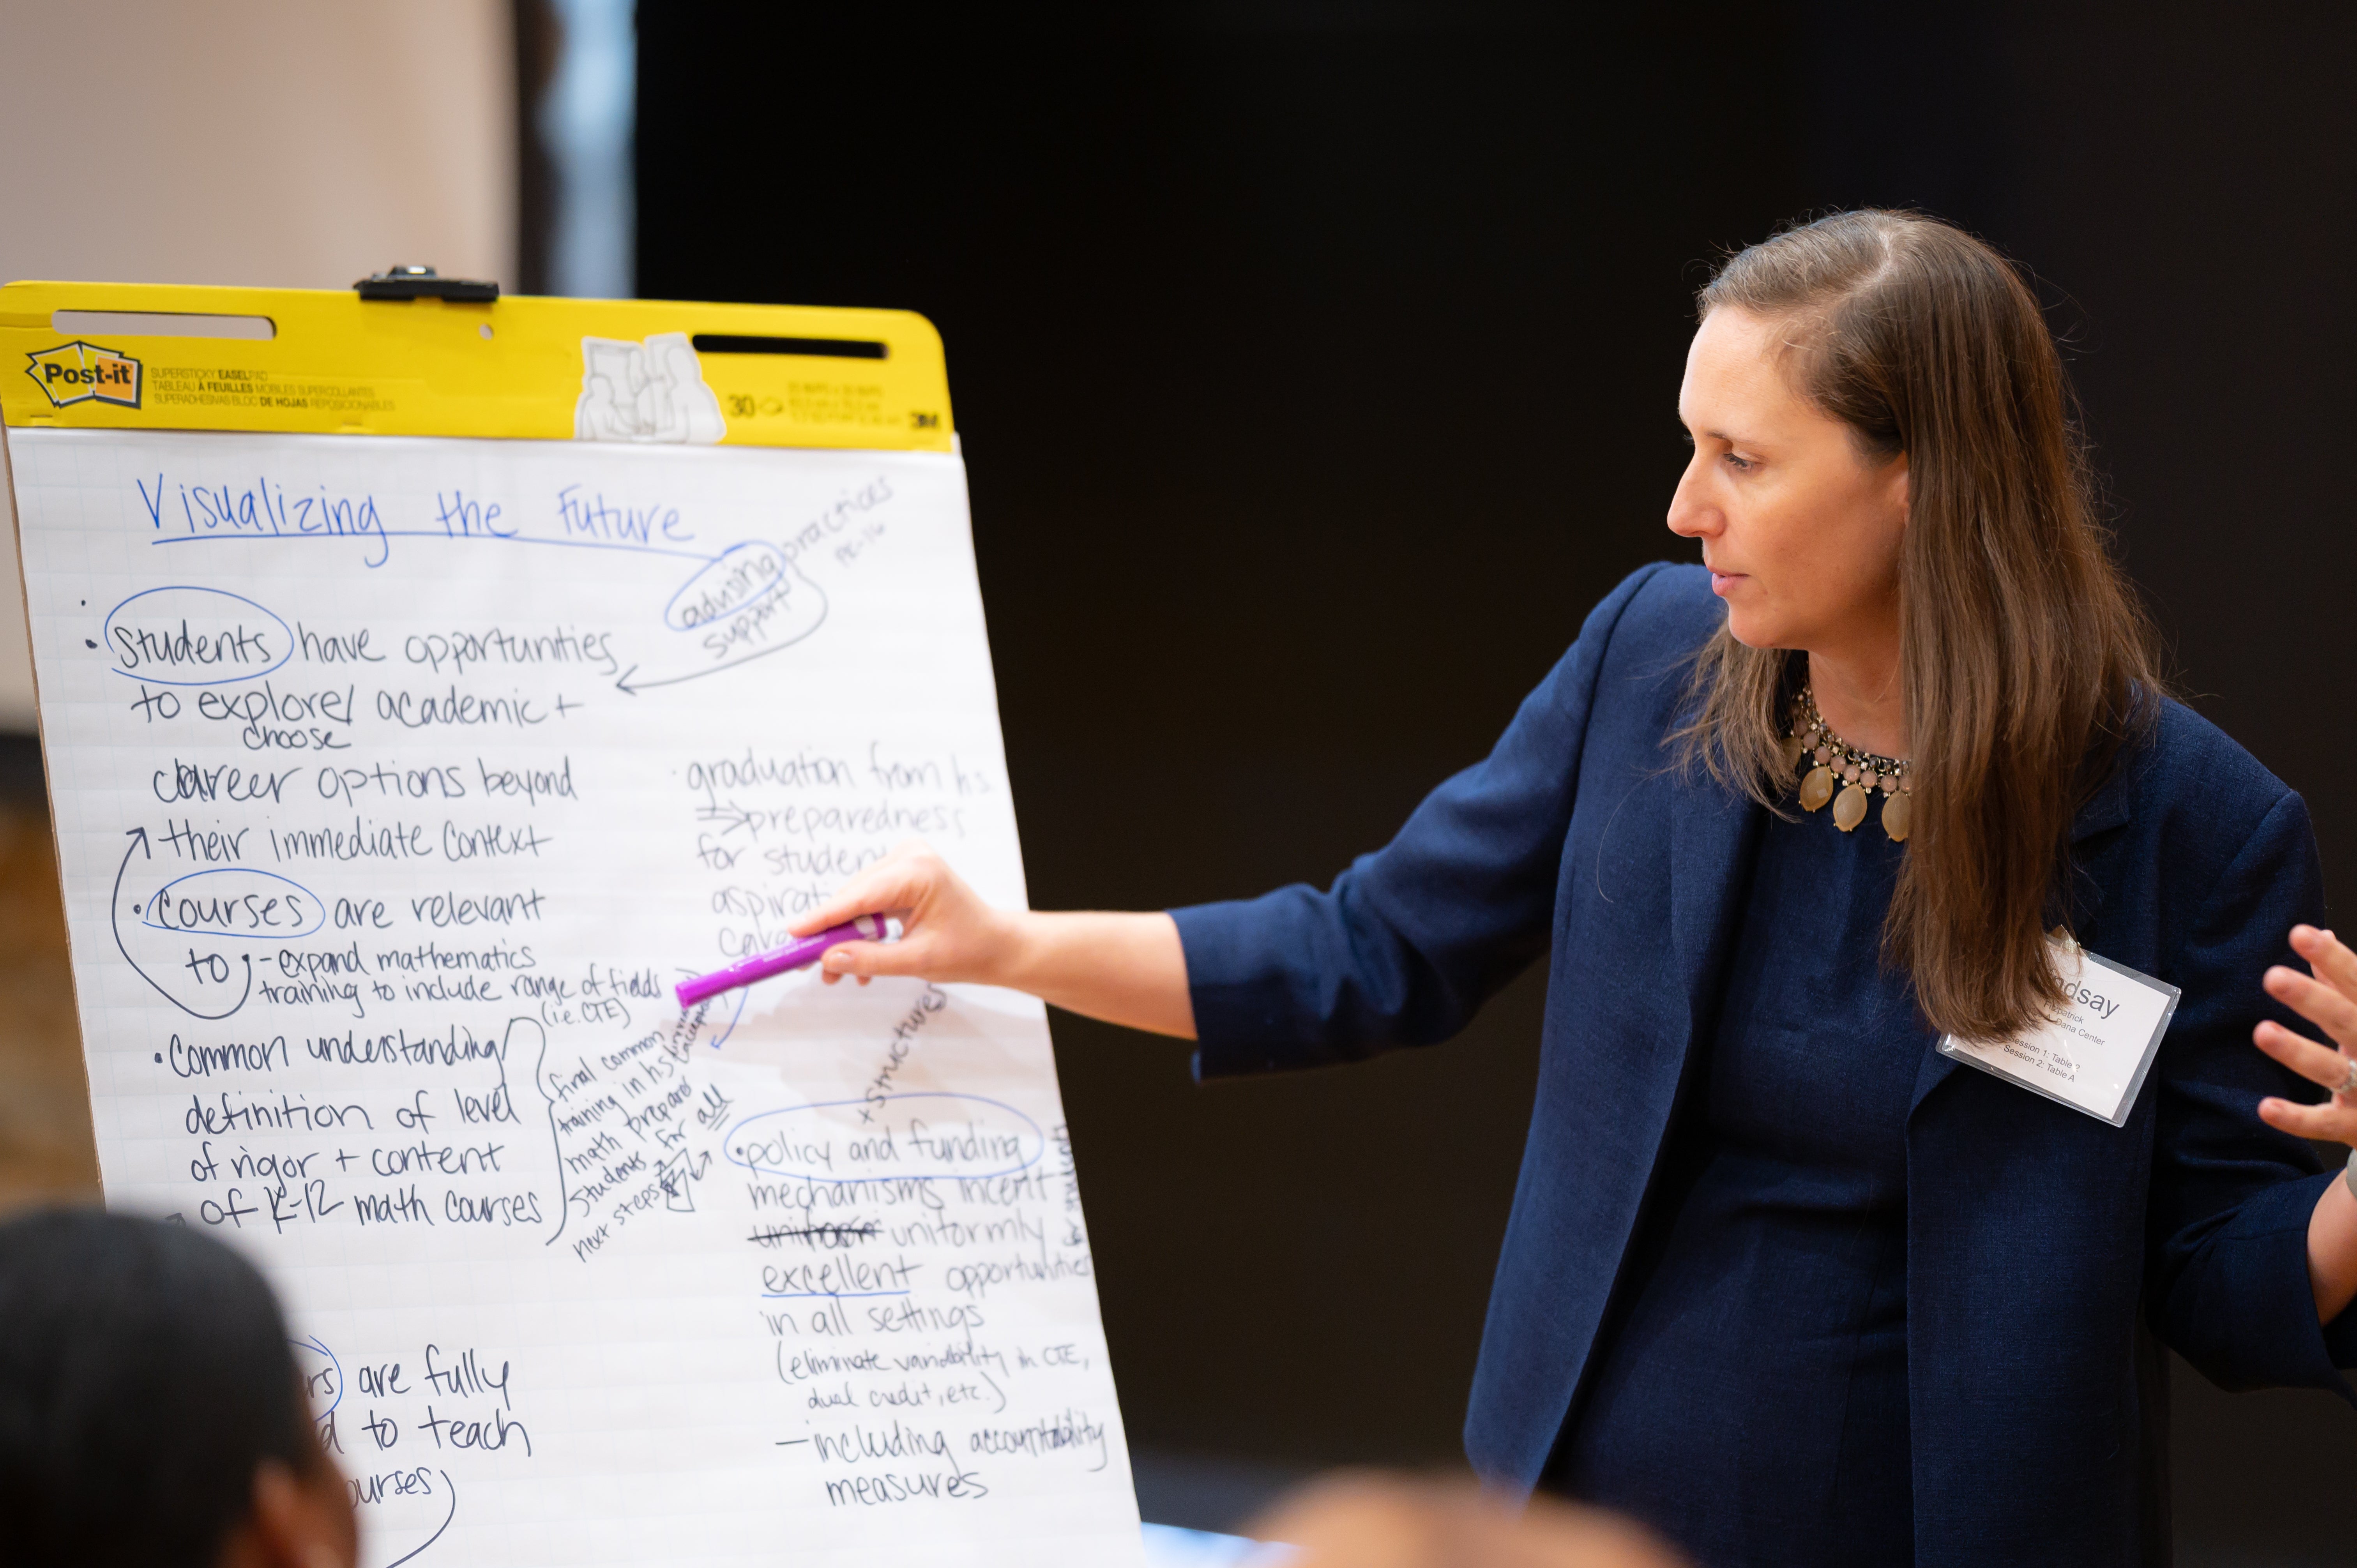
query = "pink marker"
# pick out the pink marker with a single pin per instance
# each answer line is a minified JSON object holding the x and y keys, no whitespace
{"x":798,"y":954}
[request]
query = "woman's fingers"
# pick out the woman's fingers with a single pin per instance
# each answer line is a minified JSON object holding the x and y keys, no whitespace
{"x":863,"y":895}
{"x":866,"y":959}
{"x":2328,"y":1122}
{"x":897,"y":882}
{"x":2321,"y":1065}
{"x":2329,"y":1000}
{"x":947,"y":933}
{"x":2334,"y":963}
{"x":2320,"y":1004}
{"x":2335,"y":1119}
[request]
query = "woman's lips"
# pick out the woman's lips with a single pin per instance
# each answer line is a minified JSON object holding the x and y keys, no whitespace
{"x":1722,"y":581}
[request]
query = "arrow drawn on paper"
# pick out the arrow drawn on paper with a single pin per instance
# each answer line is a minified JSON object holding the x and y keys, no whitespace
{"x":750,"y":597}
{"x":138,"y":837}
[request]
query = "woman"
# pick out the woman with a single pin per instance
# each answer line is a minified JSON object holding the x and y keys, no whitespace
{"x":1781,"y":1279}
{"x":151,"y":1413}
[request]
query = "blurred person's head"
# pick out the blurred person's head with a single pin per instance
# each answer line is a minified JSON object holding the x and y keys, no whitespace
{"x":1374,"y":1521}
{"x":151,"y":1412}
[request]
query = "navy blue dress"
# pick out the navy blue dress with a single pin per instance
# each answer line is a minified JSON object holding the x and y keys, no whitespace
{"x":1779,"y":1220}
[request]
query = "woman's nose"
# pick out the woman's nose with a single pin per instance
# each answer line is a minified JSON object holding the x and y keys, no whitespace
{"x":1691,"y":516}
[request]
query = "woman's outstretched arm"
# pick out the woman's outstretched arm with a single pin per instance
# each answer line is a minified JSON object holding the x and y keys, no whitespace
{"x":1125,"y":968}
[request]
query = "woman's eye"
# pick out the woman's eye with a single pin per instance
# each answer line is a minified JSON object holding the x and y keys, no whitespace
{"x":1740,"y":465}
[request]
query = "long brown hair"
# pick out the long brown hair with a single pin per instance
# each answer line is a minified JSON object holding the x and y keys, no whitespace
{"x":2025,"y":659}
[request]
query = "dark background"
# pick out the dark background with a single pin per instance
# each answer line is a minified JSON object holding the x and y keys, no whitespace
{"x":1315,"y":365}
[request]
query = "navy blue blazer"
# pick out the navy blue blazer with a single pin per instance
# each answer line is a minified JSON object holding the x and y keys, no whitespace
{"x":2041,"y":1243}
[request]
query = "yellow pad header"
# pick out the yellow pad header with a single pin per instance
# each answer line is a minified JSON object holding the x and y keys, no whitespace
{"x":325,"y":361}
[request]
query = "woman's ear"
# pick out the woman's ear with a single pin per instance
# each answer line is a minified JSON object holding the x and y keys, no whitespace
{"x":297,"y":1522}
{"x":1901,"y":491}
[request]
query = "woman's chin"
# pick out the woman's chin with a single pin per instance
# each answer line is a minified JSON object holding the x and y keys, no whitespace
{"x":1751,"y":631}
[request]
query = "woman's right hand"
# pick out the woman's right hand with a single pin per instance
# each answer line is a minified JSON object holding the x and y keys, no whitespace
{"x":1125,"y":968}
{"x":947,"y":931}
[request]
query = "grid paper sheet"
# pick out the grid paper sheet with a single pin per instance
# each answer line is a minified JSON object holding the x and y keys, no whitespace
{"x":396,"y":782}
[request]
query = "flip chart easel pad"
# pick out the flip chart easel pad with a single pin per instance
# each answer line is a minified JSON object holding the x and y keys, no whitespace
{"x":397,"y":780}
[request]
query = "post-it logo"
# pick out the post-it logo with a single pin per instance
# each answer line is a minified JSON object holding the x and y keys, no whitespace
{"x":80,"y":372}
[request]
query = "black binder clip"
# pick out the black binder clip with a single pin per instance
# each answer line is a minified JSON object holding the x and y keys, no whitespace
{"x":425,"y":282}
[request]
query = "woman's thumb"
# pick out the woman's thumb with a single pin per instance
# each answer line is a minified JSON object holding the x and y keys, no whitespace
{"x":904,"y":957}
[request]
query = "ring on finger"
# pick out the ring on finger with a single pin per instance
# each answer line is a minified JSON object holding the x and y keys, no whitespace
{"x":2348,"y":1084}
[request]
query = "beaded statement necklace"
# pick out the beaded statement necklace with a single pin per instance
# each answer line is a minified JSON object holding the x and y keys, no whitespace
{"x":1861,"y":773}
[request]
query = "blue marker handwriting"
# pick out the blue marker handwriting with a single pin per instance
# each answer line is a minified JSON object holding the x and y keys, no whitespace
{"x":264,"y":509}
{"x":594,"y":517}
{"x":180,"y":511}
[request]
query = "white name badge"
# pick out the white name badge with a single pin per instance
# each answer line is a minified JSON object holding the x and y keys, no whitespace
{"x":2093,"y":1058}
